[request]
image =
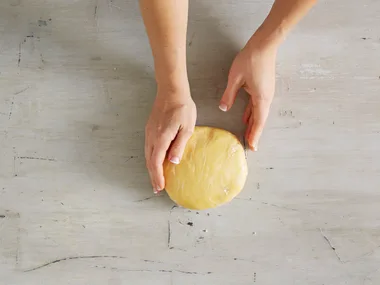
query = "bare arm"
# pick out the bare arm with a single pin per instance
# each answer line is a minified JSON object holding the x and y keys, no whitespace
{"x":166,"y":26}
{"x":284,"y":15}
{"x":173,"y":115}
{"x":254,"y":67}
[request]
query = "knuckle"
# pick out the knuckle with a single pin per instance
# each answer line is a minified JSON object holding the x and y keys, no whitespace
{"x":175,"y":149}
{"x":154,"y":162}
{"x":155,"y":166}
{"x":147,"y":164}
{"x":164,"y":134}
{"x":153,"y":159}
{"x":231,"y":76}
{"x":159,"y":147}
{"x":187,"y":132}
{"x":264,"y":98}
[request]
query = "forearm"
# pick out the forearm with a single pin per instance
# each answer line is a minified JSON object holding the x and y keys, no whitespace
{"x":284,"y":15}
{"x":166,"y":25}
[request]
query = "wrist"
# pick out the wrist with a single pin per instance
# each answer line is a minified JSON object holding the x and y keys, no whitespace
{"x":172,"y":84}
{"x":174,"y":89}
{"x":171,"y":76}
{"x":266,"y":38}
{"x":170,"y":67}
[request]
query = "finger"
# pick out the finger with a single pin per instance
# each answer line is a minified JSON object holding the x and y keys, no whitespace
{"x":156,"y":163}
{"x":147,"y":148}
{"x":249,"y":127}
{"x":247,"y":112}
{"x":259,"y":116}
{"x":155,"y":191}
{"x":148,"y":154}
{"x":230,"y":94}
{"x":178,"y":146}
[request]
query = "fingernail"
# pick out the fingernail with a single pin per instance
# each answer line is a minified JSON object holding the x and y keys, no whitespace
{"x":155,"y":191}
{"x":174,"y":160}
{"x":223,"y":107}
{"x":255,"y":147}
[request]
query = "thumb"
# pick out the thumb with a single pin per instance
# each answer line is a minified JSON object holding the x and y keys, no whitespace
{"x":229,"y":96}
{"x":178,"y":146}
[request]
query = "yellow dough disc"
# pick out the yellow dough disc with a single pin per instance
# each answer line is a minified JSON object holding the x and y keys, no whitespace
{"x":212,"y":171}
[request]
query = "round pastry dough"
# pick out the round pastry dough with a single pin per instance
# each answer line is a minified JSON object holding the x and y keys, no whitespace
{"x":212,"y":171}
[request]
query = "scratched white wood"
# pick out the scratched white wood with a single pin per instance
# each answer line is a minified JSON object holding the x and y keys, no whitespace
{"x":76,"y":207}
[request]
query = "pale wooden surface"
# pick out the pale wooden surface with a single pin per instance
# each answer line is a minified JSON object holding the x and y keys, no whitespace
{"x":76,"y":88}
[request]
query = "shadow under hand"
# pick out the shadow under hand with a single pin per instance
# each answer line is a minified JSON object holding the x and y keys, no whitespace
{"x":107,"y":67}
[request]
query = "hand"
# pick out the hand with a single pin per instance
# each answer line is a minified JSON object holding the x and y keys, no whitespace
{"x":169,"y":127}
{"x":254,"y":70}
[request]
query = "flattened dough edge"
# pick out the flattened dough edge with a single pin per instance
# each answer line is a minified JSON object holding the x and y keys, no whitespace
{"x":213,"y":170}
